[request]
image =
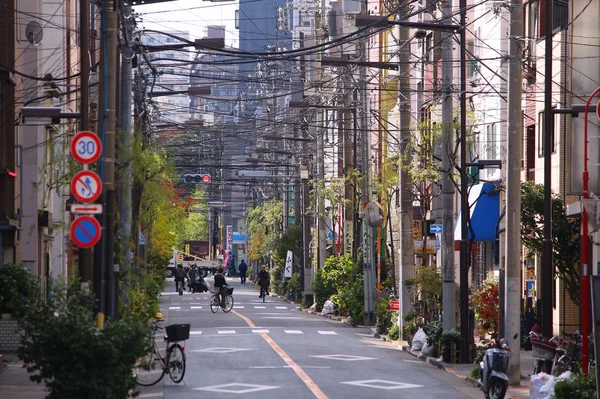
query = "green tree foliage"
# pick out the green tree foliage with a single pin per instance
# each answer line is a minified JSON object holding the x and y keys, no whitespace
{"x":62,"y":348}
{"x":17,"y":285}
{"x":565,"y":235}
{"x":265,"y":225}
{"x":425,"y":288}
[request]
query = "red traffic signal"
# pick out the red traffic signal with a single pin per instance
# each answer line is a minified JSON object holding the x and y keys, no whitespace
{"x":196,"y":178}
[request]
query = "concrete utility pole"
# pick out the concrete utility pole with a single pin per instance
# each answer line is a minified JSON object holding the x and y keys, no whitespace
{"x":512,"y":305}
{"x":322,"y":232}
{"x":126,"y":127}
{"x":108,"y":169}
{"x":85,"y":254}
{"x":407,"y":257}
{"x":448,"y":190}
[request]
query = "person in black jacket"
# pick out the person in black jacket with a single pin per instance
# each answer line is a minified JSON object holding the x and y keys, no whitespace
{"x":243,"y":269}
{"x":220,"y":284}
{"x":264,"y":279}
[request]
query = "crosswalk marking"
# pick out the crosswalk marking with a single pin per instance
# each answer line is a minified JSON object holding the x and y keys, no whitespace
{"x":196,"y":307}
{"x":327,"y":332}
{"x":259,"y":307}
{"x":280,"y":307}
{"x":226,"y":331}
{"x":260,"y":331}
{"x":174,"y":307}
{"x":293,"y":332}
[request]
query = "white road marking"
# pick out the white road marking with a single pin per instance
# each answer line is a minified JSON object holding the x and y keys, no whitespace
{"x":196,"y":307}
{"x":238,"y":307}
{"x":345,"y":358}
{"x":260,"y":331}
{"x":231,"y":388}
{"x":151,"y":395}
{"x":220,"y":350}
{"x":280,"y":307}
{"x":196,"y":303}
{"x":382,"y":384}
{"x":293,"y":332}
{"x":327,"y":332}
{"x":226,"y":331}
{"x":174,"y":307}
{"x":259,"y":307}
{"x":195,"y":332}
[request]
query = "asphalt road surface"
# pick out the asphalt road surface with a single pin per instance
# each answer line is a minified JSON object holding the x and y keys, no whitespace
{"x":274,"y":350}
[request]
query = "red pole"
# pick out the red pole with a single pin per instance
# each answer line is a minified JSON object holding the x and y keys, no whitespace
{"x":585,"y":276}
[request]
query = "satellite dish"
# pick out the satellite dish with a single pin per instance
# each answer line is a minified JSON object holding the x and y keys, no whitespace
{"x":34,"y":33}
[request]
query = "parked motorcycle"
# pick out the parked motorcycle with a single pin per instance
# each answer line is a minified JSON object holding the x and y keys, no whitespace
{"x":492,"y":371}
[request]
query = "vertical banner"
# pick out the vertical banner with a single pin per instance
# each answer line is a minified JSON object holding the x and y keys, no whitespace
{"x":229,"y":237}
{"x":348,"y":237}
{"x":289,"y":259}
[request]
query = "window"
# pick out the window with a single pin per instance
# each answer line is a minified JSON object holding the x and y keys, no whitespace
{"x":237,"y":19}
{"x":531,"y":15}
{"x":473,"y":65}
{"x":541,"y":141}
{"x":491,"y":138}
{"x":560,"y":16}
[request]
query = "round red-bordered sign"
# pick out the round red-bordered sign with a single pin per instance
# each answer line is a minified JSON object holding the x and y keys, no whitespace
{"x":85,"y":231}
{"x":86,"y":147}
{"x":86,"y":186}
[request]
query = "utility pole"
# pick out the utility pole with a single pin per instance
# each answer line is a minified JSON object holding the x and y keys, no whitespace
{"x":85,"y":254}
{"x":448,"y":190}
{"x":322,"y":232}
{"x":104,"y":254}
{"x":512,"y":305}
{"x":126,"y":127}
{"x":547,"y":264}
{"x":407,"y":261}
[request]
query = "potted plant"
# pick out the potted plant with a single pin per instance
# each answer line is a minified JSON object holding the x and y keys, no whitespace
{"x":293,"y":287}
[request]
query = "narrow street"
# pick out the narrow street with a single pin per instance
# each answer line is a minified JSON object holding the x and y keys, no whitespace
{"x":272,"y":349}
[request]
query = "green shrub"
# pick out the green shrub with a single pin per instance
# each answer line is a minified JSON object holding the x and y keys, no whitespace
{"x":578,"y":387}
{"x":394,"y":332}
{"x":321,"y":288}
{"x":383,"y":313}
{"x":17,"y":287}
{"x":294,"y":285}
{"x":307,"y":300}
{"x":62,"y":348}
{"x":351,"y":300}
{"x":434,"y":333}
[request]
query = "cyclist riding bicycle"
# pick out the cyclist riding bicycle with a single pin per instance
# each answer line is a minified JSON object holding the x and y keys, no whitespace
{"x":180,"y":276}
{"x":220,"y":284}
{"x":264,"y":279}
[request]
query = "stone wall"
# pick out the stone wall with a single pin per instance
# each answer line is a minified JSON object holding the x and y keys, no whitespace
{"x":9,"y":335}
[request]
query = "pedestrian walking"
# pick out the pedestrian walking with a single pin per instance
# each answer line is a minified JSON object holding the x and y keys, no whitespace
{"x":243,"y":269}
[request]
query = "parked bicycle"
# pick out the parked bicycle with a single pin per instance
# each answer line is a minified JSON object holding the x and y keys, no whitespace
{"x":150,"y":369}
{"x":215,"y":301}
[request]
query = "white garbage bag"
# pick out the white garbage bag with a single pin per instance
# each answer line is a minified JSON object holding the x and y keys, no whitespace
{"x":536,"y":383}
{"x":313,"y":307}
{"x":328,"y":307}
{"x":419,"y":340}
{"x":425,"y":351}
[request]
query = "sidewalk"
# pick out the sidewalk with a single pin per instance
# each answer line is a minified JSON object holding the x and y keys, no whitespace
{"x":14,"y":380}
{"x":463,"y":371}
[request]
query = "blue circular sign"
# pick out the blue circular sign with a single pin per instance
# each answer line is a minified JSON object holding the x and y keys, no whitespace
{"x":85,"y":231}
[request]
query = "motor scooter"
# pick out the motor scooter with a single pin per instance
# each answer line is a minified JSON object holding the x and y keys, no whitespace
{"x":492,"y":371}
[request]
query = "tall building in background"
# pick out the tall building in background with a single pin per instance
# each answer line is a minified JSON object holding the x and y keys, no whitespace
{"x":175,"y":68}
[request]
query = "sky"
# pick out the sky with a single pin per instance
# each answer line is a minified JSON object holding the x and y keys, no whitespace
{"x":190,"y":16}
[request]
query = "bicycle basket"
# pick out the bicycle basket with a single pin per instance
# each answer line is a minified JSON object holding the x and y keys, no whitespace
{"x":542,"y":349}
{"x":177,"y":332}
{"x":229,"y":290}
{"x":499,"y":360}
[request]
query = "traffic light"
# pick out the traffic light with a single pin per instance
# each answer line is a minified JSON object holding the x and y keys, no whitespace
{"x":196,"y":178}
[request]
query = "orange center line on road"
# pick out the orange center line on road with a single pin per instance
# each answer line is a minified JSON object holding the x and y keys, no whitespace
{"x":314,"y":388}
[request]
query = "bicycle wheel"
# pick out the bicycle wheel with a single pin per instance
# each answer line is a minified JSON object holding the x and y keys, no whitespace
{"x":176,"y":363}
{"x":149,"y":370}
{"x":228,"y":303}
{"x":214,"y":304}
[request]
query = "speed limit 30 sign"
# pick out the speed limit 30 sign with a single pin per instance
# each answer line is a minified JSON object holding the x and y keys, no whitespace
{"x":86,"y":147}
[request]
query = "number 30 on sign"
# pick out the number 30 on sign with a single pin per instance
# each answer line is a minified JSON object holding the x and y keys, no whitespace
{"x":86,"y":147}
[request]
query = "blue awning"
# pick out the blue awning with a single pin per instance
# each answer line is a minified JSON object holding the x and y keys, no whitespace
{"x":484,"y":205}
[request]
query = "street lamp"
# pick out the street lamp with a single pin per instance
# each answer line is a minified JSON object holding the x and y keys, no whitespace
{"x":46,"y":115}
{"x":190,"y":91}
